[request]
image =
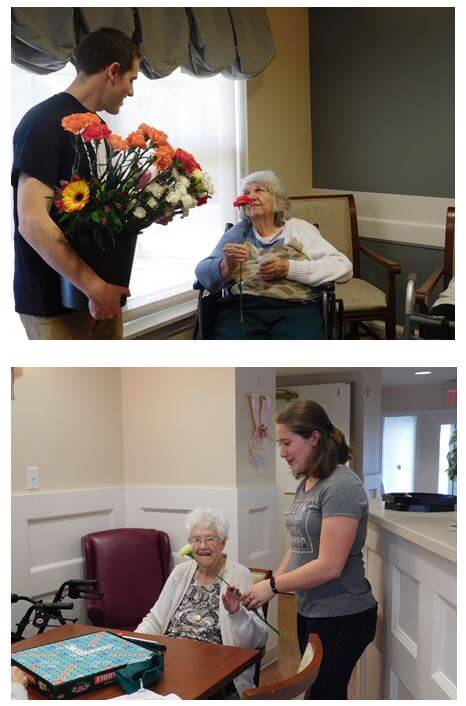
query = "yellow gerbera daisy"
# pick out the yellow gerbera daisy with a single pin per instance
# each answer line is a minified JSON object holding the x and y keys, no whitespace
{"x":75,"y":195}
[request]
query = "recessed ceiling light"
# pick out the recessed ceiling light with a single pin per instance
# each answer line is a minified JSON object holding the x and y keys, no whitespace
{"x":423,"y":372}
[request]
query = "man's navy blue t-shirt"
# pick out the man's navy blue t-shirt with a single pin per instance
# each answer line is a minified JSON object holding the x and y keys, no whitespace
{"x":44,"y":150}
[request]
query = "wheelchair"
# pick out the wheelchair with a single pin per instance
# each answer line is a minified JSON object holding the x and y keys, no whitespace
{"x":414,"y":319}
{"x":332,"y":311}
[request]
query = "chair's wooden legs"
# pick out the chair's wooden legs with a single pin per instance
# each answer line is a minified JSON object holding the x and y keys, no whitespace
{"x":390,"y":326}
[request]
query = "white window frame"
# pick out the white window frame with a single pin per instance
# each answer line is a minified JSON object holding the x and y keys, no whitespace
{"x":140,"y":319}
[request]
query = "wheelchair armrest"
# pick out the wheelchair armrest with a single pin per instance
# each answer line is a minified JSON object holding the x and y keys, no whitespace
{"x":327,"y":287}
{"x":426,"y":289}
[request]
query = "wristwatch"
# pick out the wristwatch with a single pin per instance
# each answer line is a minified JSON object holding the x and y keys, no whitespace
{"x":272,"y":584}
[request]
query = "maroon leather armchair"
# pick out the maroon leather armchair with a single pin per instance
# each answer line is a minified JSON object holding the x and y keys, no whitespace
{"x":131,"y":566}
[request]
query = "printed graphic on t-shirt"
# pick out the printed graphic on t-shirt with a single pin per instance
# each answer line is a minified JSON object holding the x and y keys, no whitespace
{"x":296,"y":524}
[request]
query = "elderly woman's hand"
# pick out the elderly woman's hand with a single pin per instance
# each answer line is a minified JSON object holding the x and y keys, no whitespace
{"x":273,"y":268}
{"x":233,"y":255}
{"x":231,"y":599}
{"x":257,"y":595}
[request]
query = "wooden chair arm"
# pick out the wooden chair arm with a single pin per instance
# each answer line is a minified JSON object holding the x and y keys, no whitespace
{"x":394,"y":267}
{"x":424,"y":291}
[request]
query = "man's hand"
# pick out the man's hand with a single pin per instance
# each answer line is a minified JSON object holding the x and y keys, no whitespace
{"x":105,"y":300}
{"x":231,"y":600}
{"x":233,"y":255}
{"x":273,"y":268}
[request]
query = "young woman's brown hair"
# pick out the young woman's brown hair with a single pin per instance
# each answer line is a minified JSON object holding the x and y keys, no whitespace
{"x":305,"y":417}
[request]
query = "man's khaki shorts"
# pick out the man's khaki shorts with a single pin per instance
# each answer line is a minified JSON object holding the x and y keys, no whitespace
{"x":75,"y":325}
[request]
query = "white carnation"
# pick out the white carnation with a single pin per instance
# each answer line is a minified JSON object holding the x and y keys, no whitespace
{"x":173,"y":196}
{"x":155,"y":189}
{"x":139,"y":212}
{"x":188,"y":201}
{"x":208,"y":183}
{"x":152,"y":203}
{"x":181,"y":188}
{"x":184,"y":181}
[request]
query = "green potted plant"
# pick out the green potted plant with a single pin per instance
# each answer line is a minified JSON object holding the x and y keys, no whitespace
{"x":451,"y":458}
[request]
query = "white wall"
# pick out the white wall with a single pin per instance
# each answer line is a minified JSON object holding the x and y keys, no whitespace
{"x":365,"y":412}
{"x":430,"y":404}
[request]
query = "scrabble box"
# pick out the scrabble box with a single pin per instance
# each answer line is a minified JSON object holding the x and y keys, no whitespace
{"x":62,"y":670}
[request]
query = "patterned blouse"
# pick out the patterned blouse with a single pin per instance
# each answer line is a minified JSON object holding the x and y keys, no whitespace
{"x":196,"y":617}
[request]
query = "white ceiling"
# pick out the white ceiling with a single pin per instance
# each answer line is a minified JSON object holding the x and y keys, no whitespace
{"x":391,"y":377}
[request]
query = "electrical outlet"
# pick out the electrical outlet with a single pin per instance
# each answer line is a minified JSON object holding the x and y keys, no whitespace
{"x":32,"y":478}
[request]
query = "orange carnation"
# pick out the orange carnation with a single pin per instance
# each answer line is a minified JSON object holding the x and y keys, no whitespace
{"x":77,"y":122}
{"x":150,"y":133}
{"x":136,"y":139}
{"x":164,"y":157}
{"x":117,"y":143}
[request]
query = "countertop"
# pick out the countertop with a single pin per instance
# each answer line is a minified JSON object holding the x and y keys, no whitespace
{"x":430,"y":530}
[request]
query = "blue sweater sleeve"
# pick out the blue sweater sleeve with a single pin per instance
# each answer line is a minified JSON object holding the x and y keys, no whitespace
{"x":208,"y":269}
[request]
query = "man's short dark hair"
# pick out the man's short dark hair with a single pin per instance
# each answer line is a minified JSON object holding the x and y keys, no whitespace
{"x":101,"y":48}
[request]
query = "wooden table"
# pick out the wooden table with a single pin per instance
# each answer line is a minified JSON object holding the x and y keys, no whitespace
{"x":193,"y":669}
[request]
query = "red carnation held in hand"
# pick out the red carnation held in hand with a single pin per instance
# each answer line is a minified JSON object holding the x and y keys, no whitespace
{"x":243,"y":201}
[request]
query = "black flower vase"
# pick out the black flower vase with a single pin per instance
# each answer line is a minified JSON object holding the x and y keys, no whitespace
{"x":113,"y":263}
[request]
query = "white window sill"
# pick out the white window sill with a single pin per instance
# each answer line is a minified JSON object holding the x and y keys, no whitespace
{"x":145,"y":314}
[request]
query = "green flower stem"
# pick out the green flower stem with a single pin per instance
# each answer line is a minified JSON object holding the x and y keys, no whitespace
{"x":254,"y":610}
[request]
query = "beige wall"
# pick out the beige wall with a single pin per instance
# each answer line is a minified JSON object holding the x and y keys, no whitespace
{"x":67,"y":422}
{"x":279,"y":109}
{"x":179,"y":426}
{"x":94,"y":427}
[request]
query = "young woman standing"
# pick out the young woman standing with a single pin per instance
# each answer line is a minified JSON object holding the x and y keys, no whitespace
{"x":324,"y":567}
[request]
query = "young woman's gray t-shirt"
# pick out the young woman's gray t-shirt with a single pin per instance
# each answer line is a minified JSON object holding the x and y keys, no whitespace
{"x":342,"y":493}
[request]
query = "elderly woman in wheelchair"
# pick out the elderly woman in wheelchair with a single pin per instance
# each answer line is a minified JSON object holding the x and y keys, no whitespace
{"x":270,"y":268}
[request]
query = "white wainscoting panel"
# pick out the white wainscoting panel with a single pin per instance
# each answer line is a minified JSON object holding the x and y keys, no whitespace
{"x":165,"y":508}
{"x":46,"y":539}
{"x":414,"y":654}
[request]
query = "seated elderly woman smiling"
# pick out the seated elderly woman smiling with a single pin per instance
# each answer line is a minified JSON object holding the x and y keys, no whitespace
{"x":194,"y":603}
{"x":276,"y":262}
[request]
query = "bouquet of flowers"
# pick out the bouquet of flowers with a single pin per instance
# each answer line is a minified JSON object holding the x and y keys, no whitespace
{"x":140,"y":180}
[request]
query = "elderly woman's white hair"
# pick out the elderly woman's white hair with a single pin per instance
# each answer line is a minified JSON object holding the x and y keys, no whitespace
{"x":208,"y":517}
{"x":272,"y":183}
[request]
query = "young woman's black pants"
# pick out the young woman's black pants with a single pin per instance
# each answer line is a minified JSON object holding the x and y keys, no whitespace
{"x":344,"y":639}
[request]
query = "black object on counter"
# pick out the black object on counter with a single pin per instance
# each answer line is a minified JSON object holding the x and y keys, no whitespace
{"x":419,"y":502}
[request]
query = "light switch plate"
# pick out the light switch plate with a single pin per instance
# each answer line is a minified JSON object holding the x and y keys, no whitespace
{"x":32,"y":478}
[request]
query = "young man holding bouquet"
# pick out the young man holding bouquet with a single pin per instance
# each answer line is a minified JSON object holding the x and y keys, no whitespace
{"x":107,"y":64}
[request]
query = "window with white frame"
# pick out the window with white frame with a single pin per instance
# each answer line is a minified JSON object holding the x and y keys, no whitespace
{"x":198,"y":115}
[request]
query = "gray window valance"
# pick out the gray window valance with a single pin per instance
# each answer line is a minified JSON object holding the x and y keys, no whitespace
{"x":204,"y":41}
